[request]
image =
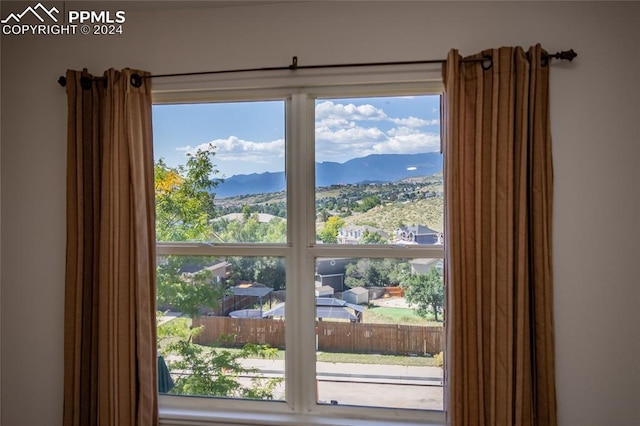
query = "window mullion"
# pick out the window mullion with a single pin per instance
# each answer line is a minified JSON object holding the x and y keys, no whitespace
{"x":300,"y":332}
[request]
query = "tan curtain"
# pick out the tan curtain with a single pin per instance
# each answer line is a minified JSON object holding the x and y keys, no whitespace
{"x":499,"y":191}
{"x":110,"y":341}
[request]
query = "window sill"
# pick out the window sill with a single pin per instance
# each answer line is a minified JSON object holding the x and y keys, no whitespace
{"x":182,"y":417}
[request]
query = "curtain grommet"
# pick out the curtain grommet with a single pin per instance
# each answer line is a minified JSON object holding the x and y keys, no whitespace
{"x":544,"y":61}
{"x":136,"y":80}
{"x":85,"y":83}
{"x":487,"y":62}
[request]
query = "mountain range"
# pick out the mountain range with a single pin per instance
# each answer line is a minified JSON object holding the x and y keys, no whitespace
{"x":375,"y":168}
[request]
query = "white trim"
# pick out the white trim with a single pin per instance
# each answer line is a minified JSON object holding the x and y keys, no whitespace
{"x":181,"y":410}
{"x":373,"y":250}
{"x":174,"y":417}
{"x":300,"y":91}
{"x":206,"y":249}
{"x":257,"y":84}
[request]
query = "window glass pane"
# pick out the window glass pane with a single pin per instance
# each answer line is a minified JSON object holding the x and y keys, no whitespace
{"x":219,"y":172}
{"x":214,"y":334}
{"x":379,"y":332}
{"x":378,"y":170}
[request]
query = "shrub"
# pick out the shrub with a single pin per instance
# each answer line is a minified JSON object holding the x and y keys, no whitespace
{"x":439,"y":359}
{"x":209,"y":371}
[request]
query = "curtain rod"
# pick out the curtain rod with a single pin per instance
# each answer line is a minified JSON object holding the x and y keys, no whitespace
{"x":136,"y":80}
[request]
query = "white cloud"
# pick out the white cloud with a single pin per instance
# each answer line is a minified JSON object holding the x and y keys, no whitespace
{"x":351,"y":134}
{"x":414,"y":122}
{"x":402,"y":131}
{"x":334,"y":122}
{"x":237,"y":149}
{"x":350,"y":143}
{"x":332,"y":151}
{"x":332,"y":115}
{"x":342,"y":132}
{"x":329,"y":109}
{"x":409,"y":143}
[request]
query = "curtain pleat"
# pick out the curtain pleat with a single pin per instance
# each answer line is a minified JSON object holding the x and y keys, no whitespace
{"x":110,"y":341}
{"x":498,"y":198}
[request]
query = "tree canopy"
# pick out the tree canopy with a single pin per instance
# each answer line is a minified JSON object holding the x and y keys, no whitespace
{"x":329,"y":233}
{"x":426,"y":291}
{"x":184,"y":212}
{"x":375,"y":273}
{"x":184,"y":197}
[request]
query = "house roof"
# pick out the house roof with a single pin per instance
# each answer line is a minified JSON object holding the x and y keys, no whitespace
{"x":325,"y":289}
{"x":251,"y":290}
{"x":425,"y":261}
{"x":331,"y":302}
{"x":328,"y":266}
{"x":357,"y":290}
{"x":418,"y":230}
{"x":365,"y":228}
{"x":326,"y":307}
{"x":218,"y":268}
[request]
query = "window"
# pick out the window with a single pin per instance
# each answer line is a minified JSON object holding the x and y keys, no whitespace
{"x":300,"y":252}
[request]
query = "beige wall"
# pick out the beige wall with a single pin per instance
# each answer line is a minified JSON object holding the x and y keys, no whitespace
{"x":596,"y":130}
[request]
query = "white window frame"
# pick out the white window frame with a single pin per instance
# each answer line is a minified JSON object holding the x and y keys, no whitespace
{"x":299,"y":90}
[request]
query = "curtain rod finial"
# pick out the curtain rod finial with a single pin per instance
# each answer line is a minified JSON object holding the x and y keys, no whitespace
{"x":565,"y":55}
{"x":570,"y":55}
{"x":62,"y":81}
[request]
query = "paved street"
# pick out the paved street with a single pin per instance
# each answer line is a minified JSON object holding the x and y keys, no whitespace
{"x":370,"y":384}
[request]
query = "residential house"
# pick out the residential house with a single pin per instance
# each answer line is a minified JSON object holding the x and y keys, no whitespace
{"x":418,"y":234}
{"x":331,"y":272}
{"x":352,"y":234}
{"x":422,"y":266}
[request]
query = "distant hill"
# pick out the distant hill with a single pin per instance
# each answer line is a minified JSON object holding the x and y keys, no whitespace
{"x":254,"y":183}
{"x":375,"y":168}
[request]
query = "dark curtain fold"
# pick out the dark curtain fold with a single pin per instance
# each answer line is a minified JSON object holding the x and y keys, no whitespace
{"x":498,"y":198}
{"x":110,"y":340}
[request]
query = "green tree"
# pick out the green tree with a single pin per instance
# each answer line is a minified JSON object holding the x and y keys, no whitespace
{"x":323,"y":214}
{"x":246,"y":212}
{"x":250,"y":230}
{"x":269,"y":271}
{"x":426,"y":291}
{"x":372,"y":238}
{"x":212,"y":371}
{"x":355,"y":274}
{"x":276,"y":231}
{"x":190,"y":293}
{"x":184,"y":197}
{"x":184,"y":210}
{"x":329,"y":233}
{"x":374,"y":273}
{"x":368,"y":203}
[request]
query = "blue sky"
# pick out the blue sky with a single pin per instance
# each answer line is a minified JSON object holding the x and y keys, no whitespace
{"x":249,"y":136}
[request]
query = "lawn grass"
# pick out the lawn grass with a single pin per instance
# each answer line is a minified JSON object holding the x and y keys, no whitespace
{"x":351,"y":358}
{"x":394,"y":315}
{"x":413,"y":361}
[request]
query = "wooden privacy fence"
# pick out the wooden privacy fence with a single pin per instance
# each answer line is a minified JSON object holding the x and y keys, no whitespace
{"x":235,"y":332}
{"x":392,"y":339}
{"x":332,"y":336}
